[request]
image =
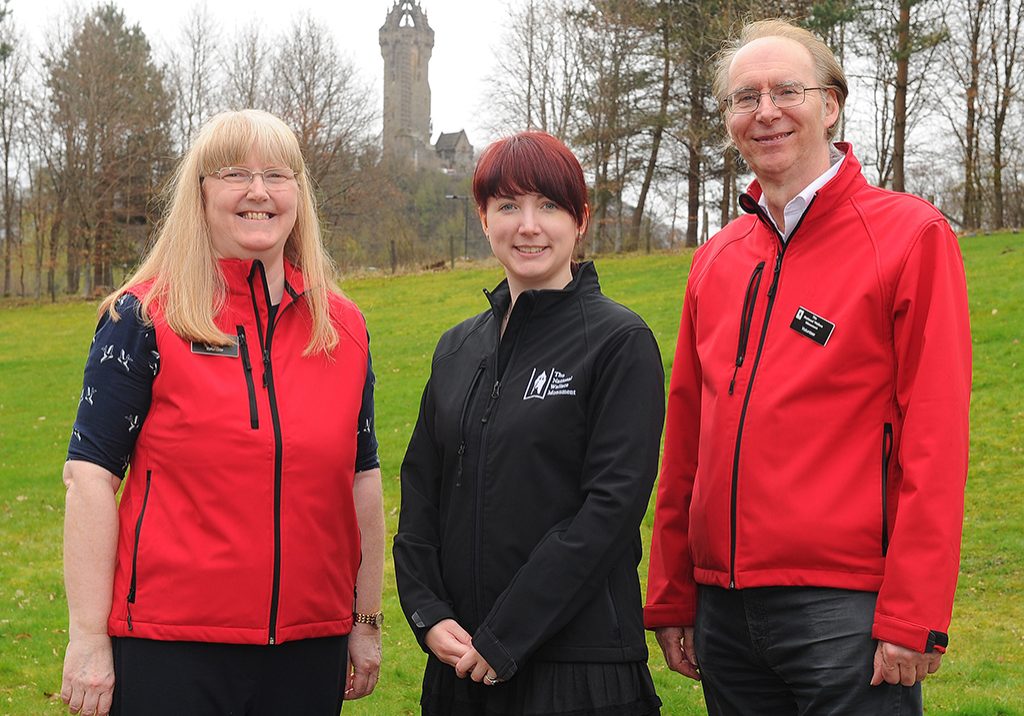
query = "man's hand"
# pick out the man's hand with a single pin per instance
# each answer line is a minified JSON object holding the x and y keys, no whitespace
{"x":364,"y":656}
{"x":899,"y":665}
{"x":677,"y":646}
{"x":87,"y":685}
{"x":449,"y":641}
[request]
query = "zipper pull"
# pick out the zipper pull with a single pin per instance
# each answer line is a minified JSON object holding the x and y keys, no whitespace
{"x":266,"y":366}
{"x":243,"y":347}
{"x":458,"y":471}
{"x":130,"y":612}
{"x":495,"y":390}
{"x":775,"y":275}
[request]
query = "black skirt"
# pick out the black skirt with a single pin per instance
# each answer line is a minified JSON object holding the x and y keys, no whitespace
{"x":544,"y":689}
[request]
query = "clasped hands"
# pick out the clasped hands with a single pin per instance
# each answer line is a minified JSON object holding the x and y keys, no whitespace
{"x":453,"y":645}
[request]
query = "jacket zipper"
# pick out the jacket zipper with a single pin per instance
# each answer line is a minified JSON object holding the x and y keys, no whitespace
{"x":485,"y":421}
{"x":243,"y":347}
{"x":462,"y":418}
{"x":776,"y":271}
{"x":275,"y":418}
{"x":135,"y":548}
{"x":887,"y":444}
{"x":477,"y":547}
{"x":746,"y":317}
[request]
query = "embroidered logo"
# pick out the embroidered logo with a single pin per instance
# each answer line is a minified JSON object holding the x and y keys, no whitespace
{"x":544,"y":383}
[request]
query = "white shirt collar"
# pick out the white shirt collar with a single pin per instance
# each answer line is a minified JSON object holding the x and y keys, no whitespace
{"x":798,"y":204}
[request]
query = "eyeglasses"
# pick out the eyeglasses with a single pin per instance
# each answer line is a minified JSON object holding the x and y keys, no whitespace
{"x":241,"y":176}
{"x":783,"y":97}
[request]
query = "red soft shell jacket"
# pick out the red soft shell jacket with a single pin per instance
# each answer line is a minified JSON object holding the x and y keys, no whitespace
{"x":817,"y":424}
{"x":237,"y":522}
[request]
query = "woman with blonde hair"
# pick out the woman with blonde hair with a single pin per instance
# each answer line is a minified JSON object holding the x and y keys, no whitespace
{"x":231,"y":381}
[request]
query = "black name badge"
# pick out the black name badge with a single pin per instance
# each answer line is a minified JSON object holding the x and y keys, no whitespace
{"x":206,"y":349}
{"x":810,"y":324}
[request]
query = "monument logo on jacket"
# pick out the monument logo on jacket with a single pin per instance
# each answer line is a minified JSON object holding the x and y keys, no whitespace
{"x":543,"y":383}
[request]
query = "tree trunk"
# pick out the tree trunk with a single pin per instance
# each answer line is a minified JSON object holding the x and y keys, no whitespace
{"x":728,"y":182}
{"x":903,"y":51}
{"x":659,"y":128}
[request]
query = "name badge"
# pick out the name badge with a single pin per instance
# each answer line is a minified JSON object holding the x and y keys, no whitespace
{"x":205,"y":349}
{"x":813,"y":326}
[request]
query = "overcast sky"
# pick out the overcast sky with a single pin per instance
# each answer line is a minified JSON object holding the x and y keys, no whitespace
{"x":464,"y":33}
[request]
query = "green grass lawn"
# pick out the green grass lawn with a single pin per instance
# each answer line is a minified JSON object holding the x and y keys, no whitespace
{"x":42,"y":350}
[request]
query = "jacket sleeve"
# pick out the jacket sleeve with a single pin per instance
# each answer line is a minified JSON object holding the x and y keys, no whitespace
{"x":625,"y":415}
{"x":932,"y":340}
{"x":416,"y":550}
{"x":671,"y":590}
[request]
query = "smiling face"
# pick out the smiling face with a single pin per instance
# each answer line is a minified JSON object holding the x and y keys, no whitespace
{"x":533,"y":238}
{"x":786,"y":148}
{"x":250,"y":221}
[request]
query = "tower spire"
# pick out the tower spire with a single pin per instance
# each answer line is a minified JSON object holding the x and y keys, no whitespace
{"x":406,"y":43}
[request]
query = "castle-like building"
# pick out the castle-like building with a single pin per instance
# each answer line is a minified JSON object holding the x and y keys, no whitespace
{"x":406,"y":43}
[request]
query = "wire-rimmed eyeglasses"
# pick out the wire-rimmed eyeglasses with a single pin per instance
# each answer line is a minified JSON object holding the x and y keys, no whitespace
{"x":784,"y":96}
{"x":243,"y":176}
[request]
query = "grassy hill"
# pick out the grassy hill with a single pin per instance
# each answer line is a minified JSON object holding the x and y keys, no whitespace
{"x":42,"y":351}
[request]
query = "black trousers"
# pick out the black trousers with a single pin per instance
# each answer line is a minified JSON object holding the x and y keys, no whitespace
{"x":792,"y":651}
{"x":171,"y":678}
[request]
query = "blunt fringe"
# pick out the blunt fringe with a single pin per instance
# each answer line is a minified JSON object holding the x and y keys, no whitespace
{"x":181,"y":263}
{"x":532,"y":163}
{"x":829,"y":71}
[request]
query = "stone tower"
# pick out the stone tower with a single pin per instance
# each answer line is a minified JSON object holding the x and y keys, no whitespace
{"x":406,"y":42}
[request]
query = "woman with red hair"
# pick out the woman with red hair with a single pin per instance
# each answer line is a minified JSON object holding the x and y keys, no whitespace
{"x":530,"y":469}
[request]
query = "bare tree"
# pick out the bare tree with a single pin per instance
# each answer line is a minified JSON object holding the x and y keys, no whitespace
{"x":1005,"y":51}
{"x":13,"y":65}
{"x":538,"y":70}
{"x":320,"y":95}
{"x":194,"y":72}
{"x":245,"y":58}
{"x":903,"y":74}
{"x":965,"y":53}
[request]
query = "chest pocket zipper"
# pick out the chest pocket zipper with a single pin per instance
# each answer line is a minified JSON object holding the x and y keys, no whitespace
{"x":243,"y":349}
{"x":462,"y":418}
{"x":746,"y":318}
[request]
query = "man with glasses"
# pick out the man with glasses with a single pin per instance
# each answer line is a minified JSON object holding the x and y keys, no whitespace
{"x":810,"y":505}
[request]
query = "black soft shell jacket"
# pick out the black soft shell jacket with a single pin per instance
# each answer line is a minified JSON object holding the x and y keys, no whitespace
{"x":527,"y":476}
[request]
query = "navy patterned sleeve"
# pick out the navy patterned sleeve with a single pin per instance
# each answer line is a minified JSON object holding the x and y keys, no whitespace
{"x":366,"y":438}
{"x":117,"y":389}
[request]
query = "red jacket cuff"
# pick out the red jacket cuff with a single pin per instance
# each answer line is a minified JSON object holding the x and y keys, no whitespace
{"x":909,"y":635}
{"x":669,"y":615}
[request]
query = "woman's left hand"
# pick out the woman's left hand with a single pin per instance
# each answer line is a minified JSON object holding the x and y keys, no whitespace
{"x":364,"y":656}
{"x":473,"y":665}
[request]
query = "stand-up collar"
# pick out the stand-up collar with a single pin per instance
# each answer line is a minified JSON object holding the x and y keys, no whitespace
{"x":836,"y":191}
{"x":584,"y":280}
{"x":241,"y":275}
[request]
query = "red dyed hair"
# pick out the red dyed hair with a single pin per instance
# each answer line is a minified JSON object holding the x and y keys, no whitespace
{"x":532,"y":163}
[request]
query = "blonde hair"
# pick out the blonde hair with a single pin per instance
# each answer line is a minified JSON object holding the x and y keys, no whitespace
{"x":187,"y":283}
{"x":827,"y":67}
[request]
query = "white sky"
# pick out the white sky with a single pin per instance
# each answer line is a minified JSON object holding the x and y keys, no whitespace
{"x":464,"y":32}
